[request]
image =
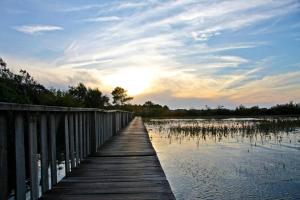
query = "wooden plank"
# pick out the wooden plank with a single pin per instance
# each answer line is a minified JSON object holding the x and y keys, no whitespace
{"x":53,"y":149}
{"x":141,"y":196}
{"x":3,"y":158}
{"x":41,"y":108}
{"x":106,"y":126}
{"x":76,"y":123}
{"x":98,"y":131}
{"x":88,"y":145}
{"x":20,"y":157}
{"x":72,"y":142}
{"x":102,"y":128}
{"x":33,"y":157}
{"x":93,"y":132}
{"x":81,"y":136}
{"x":84,"y":134}
{"x":44,"y":154}
{"x":67,"y":146}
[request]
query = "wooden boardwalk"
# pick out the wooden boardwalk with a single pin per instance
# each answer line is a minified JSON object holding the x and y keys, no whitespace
{"x":126,"y":167}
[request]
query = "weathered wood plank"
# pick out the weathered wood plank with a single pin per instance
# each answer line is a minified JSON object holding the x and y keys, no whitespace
{"x":67,"y":146}
{"x":141,"y":196}
{"x":33,"y":157}
{"x":20,"y":157}
{"x":81,"y":137}
{"x":88,"y":133}
{"x":53,"y":149}
{"x":3,"y":158}
{"x":44,"y":154}
{"x":72,"y":142}
{"x":77,"y":139}
{"x":84,"y":132}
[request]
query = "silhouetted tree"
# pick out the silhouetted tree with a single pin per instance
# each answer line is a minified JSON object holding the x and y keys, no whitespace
{"x":120,"y":96}
{"x":79,"y":92}
{"x":148,"y":104}
{"x":95,"y":99}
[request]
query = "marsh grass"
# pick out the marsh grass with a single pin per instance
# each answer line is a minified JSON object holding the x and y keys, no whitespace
{"x":216,"y":129}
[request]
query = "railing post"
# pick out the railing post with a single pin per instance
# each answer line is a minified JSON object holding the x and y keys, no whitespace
{"x":77,"y":139}
{"x":33,"y":157}
{"x":106,"y":126}
{"x":109,"y":125}
{"x":67,"y":148}
{"x":98,"y":132}
{"x":20,"y":157}
{"x":101,"y":129}
{"x":88,"y":141}
{"x":114,"y":124}
{"x":53,"y":149}
{"x":3,"y":158}
{"x":93,"y":136}
{"x":71,"y":135}
{"x":44,"y":154}
{"x":84,"y":134}
{"x":81,"y":136}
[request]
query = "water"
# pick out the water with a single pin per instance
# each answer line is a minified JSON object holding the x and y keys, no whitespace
{"x":229,"y":159}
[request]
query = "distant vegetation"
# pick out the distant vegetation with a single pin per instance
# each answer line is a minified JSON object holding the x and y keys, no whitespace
{"x":22,"y":88}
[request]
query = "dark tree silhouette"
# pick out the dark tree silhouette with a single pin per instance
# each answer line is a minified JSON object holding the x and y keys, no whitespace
{"x":91,"y":98}
{"x":22,"y":88}
{"x":95,"y":99}
{"x":79,"y":92}
{"x":120,"y":96}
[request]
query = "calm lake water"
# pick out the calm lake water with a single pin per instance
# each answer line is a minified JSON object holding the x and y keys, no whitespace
{"x":229,"y":158}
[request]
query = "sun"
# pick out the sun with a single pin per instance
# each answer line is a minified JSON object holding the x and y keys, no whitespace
{"x":135,"y":80}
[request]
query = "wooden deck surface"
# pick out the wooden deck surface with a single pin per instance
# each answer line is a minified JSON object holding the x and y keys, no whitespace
{"x":126,"y":167}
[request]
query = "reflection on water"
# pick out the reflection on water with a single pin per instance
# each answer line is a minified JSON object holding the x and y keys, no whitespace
{"x":229,"y":158}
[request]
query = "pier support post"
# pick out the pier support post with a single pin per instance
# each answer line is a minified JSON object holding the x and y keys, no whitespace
{"x":20,"y":157}
{"x":33,"y":157}
{"x":3,"y":158}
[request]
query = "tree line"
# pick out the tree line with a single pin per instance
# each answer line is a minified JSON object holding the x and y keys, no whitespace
{"x":22,"y":88}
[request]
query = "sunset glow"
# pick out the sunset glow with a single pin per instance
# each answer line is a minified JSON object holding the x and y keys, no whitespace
{"x":194,"y":52}
{"x":135,"y":80}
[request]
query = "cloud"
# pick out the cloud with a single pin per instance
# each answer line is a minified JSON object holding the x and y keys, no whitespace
{"x":128,"y":5}
{"x":172,"y":38}
{"x":189,"y":49}
{"x":269,"y":89}
{"x":80,"y":8}
{"x":34,"y":29}
{"x":203,"y":36}
{"x":51,"y":75}
{"x":103,"y":19}
{"x":104,"y":6}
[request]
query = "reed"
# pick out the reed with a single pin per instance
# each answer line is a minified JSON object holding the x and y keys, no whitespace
{"x":217,"y":129}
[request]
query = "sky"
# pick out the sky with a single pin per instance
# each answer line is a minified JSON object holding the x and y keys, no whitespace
{"x":182,"y":53}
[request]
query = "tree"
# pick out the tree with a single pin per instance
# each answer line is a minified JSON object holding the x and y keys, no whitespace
{"x":148,"y":104}
{"x":79,"y":92}
{"x":22,"y":88}
{"x":95,"y":99}
{"x":120,"y":96}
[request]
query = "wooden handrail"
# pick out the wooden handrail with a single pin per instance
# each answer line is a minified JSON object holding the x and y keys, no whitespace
{"x":41,"y":108}
{"x":30,"y":134}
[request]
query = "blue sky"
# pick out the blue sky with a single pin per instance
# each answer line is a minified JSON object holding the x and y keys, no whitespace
{"x":183,"y":53}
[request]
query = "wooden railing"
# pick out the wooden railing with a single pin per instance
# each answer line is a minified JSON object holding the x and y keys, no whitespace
{"x":35,"y":139}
